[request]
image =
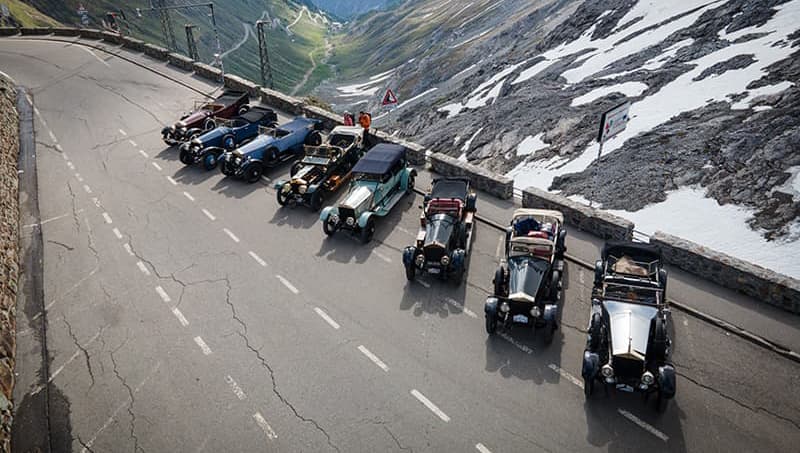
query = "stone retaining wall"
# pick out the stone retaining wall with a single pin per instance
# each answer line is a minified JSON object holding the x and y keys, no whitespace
{"x":9,"y":251}
{"x":755,"y":281}
{"x":61,"y":31}
{"x":594,"y":221}
{"x":178,"y":60}
{"x":235,"y":82}
{"x":8,"y":31}
{"x":133,"y":44}
{"x":281,"y":101}
{"x":207,"y":71}
{"x":488,"y":181}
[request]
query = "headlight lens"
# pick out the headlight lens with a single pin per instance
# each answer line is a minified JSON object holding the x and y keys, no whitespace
{"x":445,"y":260}
{"x":334,"y":218}
{"x":287,"y":187}
{"x":350,"y":221}
{"x":535,"y":312}
{"x":196,"y":141}
{"x":504,"y":307}
{"x":607,"y":371}
{"x":302,"y":189}
{"x":648,"y":378}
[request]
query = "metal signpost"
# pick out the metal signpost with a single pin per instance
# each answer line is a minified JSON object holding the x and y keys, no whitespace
{"x":612,"y":122}
{"x":84,"y":15}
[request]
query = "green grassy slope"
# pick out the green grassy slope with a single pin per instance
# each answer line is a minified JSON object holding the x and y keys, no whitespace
{"x":24,"y":15}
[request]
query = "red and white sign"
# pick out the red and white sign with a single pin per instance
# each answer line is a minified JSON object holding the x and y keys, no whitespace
{"x":613,"y":122}
{"x":389,"y":98}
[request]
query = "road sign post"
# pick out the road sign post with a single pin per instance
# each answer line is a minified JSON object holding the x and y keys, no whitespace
{"x":612,"y":122}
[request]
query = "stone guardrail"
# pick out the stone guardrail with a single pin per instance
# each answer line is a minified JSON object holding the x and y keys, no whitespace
{"x":730,"y":272}
{"x":755,"y":281}
{"x":594,"y":221}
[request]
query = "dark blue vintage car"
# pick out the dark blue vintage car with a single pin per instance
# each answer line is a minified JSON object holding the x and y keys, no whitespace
{"x":208,"y":147}
{"x":271,"y":148}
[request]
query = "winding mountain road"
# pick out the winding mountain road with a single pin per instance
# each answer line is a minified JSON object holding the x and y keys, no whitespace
{"x":186,"y":311}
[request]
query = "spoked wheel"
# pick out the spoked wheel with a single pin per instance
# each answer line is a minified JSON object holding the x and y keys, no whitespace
{"x":491,"y":325}
{"x":185,"y":157}
{"x":410,"y":187}
{"x":283,"y":197}
{"x":328,"y":227}
{"x":210,"y":161}
{"x":253,"y":172}
{"x":209,"y":124}
{"x":226,"y":168}
{"x":368,"y":232}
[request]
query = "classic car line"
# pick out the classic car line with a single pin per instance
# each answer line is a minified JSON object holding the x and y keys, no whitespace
{"x":628,"y":345}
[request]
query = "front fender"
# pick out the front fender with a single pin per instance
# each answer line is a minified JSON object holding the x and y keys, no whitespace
{"x":407,"y":175}
{"x":408,"y":255}
{"x":212,"y":149}
{"x":490,"y":307}
{"x":279,"y":185}
{"x":457,"y":259}
{"x":166,"y":131}
{"x":326,"y":212}
{"x":591,"y":365}
{"x":550,"y":312}
{"x":666,"y":380}
{"x":364,"y":218}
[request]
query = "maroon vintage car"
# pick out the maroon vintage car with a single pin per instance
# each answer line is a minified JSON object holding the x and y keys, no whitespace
{"x":228,"y":104}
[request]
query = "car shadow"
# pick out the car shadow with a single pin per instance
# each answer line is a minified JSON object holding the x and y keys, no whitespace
{"x":433,"y":295}
{"x":235,"y":187}
{"x":295,"y":216}
{"x":170,"y":153}
{"x":605,"y":410}
{"x":520,"y":352}
{"x":193,"y":175}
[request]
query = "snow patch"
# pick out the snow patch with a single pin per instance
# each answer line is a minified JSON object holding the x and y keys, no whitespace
{"x":629,"y":89}
{"x":531,"y":144}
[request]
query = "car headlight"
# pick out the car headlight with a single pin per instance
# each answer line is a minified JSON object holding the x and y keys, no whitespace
{"x":607,"y":371}
{"x":196,"y":141}
{"x":287,"y":187}
{"x":334,"y":218}
{"x":445,"y":260}
{"x":535,"y":312}
{"x":648,"y":378}
{"x":350,"y":221}
{"x":302,"y":189}
{"x":420,"y":260}
{"x":504,"y":307}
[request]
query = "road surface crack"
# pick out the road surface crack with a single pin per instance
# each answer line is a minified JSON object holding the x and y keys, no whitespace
{"x":754,"y":409}
{"x":130,"y":395}
{"x":82,"y":349}
{"x":85,"y":446}
{"x":70,"y":248}
{"x":74,"y":208}
{"x":532,"y":442}
{"x":127,"y":99}
{"x":395,"y":439}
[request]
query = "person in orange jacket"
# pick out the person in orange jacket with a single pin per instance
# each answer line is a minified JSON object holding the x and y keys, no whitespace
{"x":365,"y":121}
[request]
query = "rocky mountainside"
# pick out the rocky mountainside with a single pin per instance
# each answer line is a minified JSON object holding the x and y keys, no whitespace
{"x":518,"y":86}
{"x":347,"y":9}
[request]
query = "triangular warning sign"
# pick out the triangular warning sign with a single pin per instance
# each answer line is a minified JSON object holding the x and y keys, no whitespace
{"x":389,"y":98}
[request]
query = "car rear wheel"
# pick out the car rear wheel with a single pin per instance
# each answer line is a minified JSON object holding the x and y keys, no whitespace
{"x":491,"y":324}
{"x":209,"y":124}
{"x":368,"y":231}
{"x":210,"y":161}
{"x":253,"y":172}
{"x":185,"y":157}
{"x":554,"y":290}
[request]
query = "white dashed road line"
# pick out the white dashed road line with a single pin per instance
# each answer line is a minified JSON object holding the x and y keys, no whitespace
{"x":181,"y":319}
{"x":133,"y":143}
{"x":59,"y":148}
{"x":566,"y":375}
{"x":142,"y":268}
{"x":188,"y":195}
{"x":78,"y":177}
{"x":262,"y":423}
{"x":203,"y":346}
{"x":519,"y":345}
{"x":327,"y":318}
{"x":208,"y":214}
{"x":172,"y":180}
{"x":433,"y":408}
{"x":87,"y":188}
{"x":117,"y":233}
{"x":235,"y":387}
{"x":164,"y":296}
{"x":128,"y":248}
{"x":123,"y":132}
{"x":70,"y":165}
{"x":144,"y":154}
{"x":482,"y":448}
{"x":157,"y":167}
{"x":231,"y":235}
{"x":107,"y":218}
{"x":257,"y":258}
{"x":643,"y":424}
{"x":374,"y":358}
{"x":52,"y":136}
{"x":288,"y":285}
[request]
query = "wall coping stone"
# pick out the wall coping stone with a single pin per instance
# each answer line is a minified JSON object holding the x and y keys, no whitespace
{"x":483,"y":179}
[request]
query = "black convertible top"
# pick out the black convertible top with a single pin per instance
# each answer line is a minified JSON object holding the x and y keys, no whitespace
{"x":257,"y":114}
{"x":450,"y":188}
{"x":380,"y":159}
{"x":638,"y":251}
{"x":230,"y":96}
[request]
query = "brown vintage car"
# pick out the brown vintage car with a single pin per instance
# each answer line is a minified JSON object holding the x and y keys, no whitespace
{"x":203,"y":117}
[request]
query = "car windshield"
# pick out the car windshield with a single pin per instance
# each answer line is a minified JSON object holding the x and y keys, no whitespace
{"x":341,"y":140}
{"x":438,"y":229}
{"x":632,"y":293}
{"x":368,"y":177}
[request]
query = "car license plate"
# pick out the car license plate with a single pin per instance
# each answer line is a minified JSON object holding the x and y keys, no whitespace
{"x":434,"y":270}
{"x":522,"y":319}
{"x":625,"y":388}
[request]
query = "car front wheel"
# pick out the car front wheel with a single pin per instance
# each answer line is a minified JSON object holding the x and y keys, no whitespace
{"x":283,"y":197}
{"x":411,"y":272}
{"x":253,"y":172}
{"x":210,"y":161}
{"x":226,"y":168}
{"x":316,"y":200}
{"x":410,"y":186}
{"x":588,"y":387}
{"x":328,"y":227}
{"x":491,"y":325}
{"x":185,"y":157}
{"x":368,"y":232}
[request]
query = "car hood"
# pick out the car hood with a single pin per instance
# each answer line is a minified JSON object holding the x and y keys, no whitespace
{"x":438,"y":230}
{"x":195,"y":117}
{"x":259,"y":144}
{"x":526,"y":275}
{"x":358,"y":195}
{"x":213,"y":135}
{"x":630,"y":328}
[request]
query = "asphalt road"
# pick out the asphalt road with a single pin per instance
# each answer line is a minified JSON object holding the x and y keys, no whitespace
{"x":188,"y":312}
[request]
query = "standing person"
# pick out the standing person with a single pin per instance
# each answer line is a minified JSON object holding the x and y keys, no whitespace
{"x":348,"y":119}
{"x":365,"y":121}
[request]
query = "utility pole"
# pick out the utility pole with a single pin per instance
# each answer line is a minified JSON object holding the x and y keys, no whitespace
{"x":191,"y":44}
{"x":166,"y":25}
{"x":263,"y":53}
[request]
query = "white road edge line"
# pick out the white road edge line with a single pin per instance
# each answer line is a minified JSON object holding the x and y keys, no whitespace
{"x":257,"y":258}
{"x":643,"y":424}
{"x":188,"y":195}
{"x":97,"y":57}
{"x":181,"y":319}
{"x":52,"y":136}
{"x":327,"y":318}
{"x":107,"y":218}
{"x":157,"y":167}
{"x":208,"y":214}
{"x":374,"y":358}
{"x":482,"y":448}
{"x":127,"y":247}
{"x":203,"y":346}
{"x":422,"y":399}
{"x":144,"y":154}
{"x":70,"y":165}
{"x":458,"y":306}
{"x":164,"y":296}
{"x":117,"y":233}
{"x":235,"y":387}
{"x":288,"y":284}
{"x":231,"y":235}
{"x":142,"y":268}
{"x":264,"y":426}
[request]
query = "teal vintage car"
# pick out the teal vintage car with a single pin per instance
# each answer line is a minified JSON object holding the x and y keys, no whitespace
{"x":380,"y":179}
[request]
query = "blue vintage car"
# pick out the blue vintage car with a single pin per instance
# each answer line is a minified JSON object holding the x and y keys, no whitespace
{"x":208,"y":147}
{"x":380,"y":179}
{"x":271,"y":148}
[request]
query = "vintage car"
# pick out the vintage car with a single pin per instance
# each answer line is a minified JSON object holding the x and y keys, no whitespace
{"x":273,"y":146}
{"x":204,"y":116}
{"x":628,"y":345}
{"x":229,"y":134}
{"x":323,"y":169}
{"x":445,"y":234}
{"x":380,"y":179}
{"x":527,"y":284}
